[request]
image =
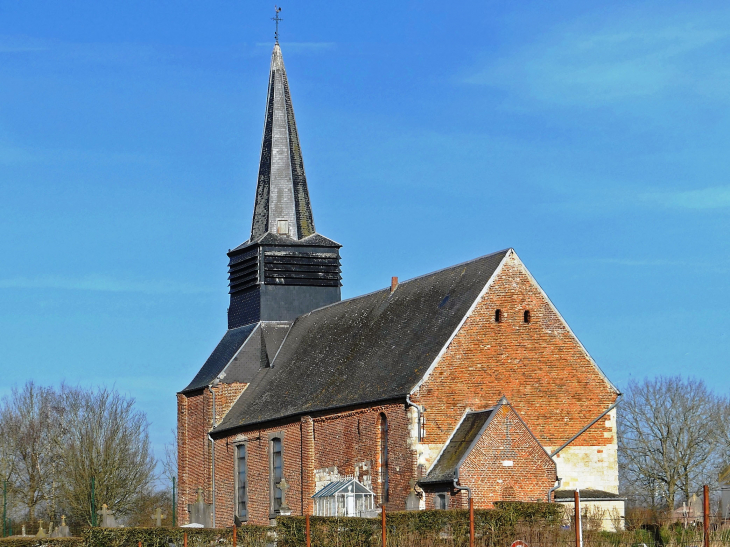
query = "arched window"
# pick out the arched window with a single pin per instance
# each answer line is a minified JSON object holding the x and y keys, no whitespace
{"x":497,"y":316}
{"x":242,"y":489}
{"x":384,"y":457}
{"x":527,"y":316}
{"x":276,"y":473}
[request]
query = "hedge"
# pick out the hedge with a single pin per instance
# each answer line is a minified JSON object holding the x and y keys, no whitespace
{"x":493,"y":526}
{"x":32,"y":541}
{"x":247,"y":536}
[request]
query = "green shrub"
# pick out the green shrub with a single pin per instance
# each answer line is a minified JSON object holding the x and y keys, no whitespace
{"x":248,"y":536}
{"x":32,"y":541}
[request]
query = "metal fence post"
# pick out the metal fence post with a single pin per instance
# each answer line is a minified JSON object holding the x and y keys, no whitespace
{"x":383,"y":524}
{"x":5,"y":507}
{"x":706,"y":515}
{"x":174,"y":504}
{"x":578,"y":525}
{"x":471,"y":521}
{"x":235,"y":533}
{"x":93,"y":502}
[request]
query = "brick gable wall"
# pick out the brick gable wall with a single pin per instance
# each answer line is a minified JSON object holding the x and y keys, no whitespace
{"x":539,"y":366}
{"x":530,"y":476}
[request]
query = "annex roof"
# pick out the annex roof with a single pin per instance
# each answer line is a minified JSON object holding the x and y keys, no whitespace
{"x":467,"y":433}
{"x":371,"y":348}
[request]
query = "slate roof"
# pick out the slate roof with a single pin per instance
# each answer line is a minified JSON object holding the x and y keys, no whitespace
{"x":314,"y":240}
{"x":589,"y":494}
{"x":467,"y":433}
{"x":258,"y":344}
{"x":232,"y":340}
{"x":281,"y":190}
{"x":363,"y":350}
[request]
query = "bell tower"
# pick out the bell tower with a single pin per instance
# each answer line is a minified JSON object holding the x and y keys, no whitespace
{"x":286,"y":268}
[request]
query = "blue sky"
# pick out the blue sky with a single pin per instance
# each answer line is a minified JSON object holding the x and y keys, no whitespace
{"x":592,"y":137}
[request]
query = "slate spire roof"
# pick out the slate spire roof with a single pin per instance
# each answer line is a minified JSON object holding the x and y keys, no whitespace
{"x":281,"y":192}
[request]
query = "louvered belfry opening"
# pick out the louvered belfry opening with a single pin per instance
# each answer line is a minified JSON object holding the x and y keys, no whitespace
{"x":286,"y":268}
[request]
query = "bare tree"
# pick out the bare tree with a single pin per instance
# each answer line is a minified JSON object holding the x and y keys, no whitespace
{"x":169,"y":464}
{"x":106,"y":439}
{"x":29,"y":420}
{"x":669,"y":439}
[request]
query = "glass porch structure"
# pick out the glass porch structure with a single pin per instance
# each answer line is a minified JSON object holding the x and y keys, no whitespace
{"x":345,"y":498}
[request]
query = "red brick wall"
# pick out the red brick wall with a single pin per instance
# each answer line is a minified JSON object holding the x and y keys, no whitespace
{"x":539,"y":366}
{"x":257,"y":444}
{"x":193,"y":424}
{"x":343,"y":440}
{"x":530,"y":477}
{"x":348,"y":439}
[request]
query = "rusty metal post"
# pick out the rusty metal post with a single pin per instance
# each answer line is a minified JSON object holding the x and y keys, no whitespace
{"x":578,"y":524}
{"x":235,"y":533}
{"x":309,"y":538}
{"x":185,"y":539}
{"x":471,"y":522}
{"x":706,"y":515}
{"x":139,"y":544}
{"x":383,"y":524}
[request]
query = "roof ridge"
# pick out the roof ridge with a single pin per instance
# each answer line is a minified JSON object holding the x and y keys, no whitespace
{"x":441,"y":270}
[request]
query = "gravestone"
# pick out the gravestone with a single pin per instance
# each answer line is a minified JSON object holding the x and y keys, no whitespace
{"x":107,"y":517}
{"x":284,"y":510}
{"x":413,"y":502}
{"x":62,"y":531}
{"x":157,"y":517}
{"x":23,"y":529}
{"x":41,"y":532}
{"x":200,"y":511}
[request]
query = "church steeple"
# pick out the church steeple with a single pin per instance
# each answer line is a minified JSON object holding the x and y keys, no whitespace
{"x":285,"y":269}
{"x":282,"y":198}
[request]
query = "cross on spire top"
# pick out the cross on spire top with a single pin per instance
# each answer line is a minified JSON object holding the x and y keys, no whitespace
{"x":277,"y":19}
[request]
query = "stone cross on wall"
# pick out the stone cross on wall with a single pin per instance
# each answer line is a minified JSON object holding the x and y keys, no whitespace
{"x":107,"y":517}
{"x":284,"y":486}
{"x":157,"y":517}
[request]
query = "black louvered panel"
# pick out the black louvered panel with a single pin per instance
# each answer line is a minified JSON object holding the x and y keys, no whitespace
{"x":314,"y":269}
{"x":243,"y":274}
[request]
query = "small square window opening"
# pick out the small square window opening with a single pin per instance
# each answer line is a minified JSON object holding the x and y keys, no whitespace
{"x":282,"y":227}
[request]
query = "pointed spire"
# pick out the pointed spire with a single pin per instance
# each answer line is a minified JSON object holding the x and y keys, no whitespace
{"x":282,"y":198}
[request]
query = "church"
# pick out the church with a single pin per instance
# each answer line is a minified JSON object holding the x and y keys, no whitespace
{"x":464,"y":383}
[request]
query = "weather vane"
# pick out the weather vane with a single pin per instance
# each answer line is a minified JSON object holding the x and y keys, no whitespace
{"x":277,"y":11}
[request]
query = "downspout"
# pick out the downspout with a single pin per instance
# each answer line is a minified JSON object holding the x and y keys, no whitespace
{"x":553,"y":489}
{"x":574,"y":437}
{"x":457,"y":487}
{"x":212,"y":450}
{"x":419,"y":410}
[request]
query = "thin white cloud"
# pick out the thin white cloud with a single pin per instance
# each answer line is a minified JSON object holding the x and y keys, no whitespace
{"x":627,"y":58}
{"x":99,"y":283}
{"x":716,"y":197}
